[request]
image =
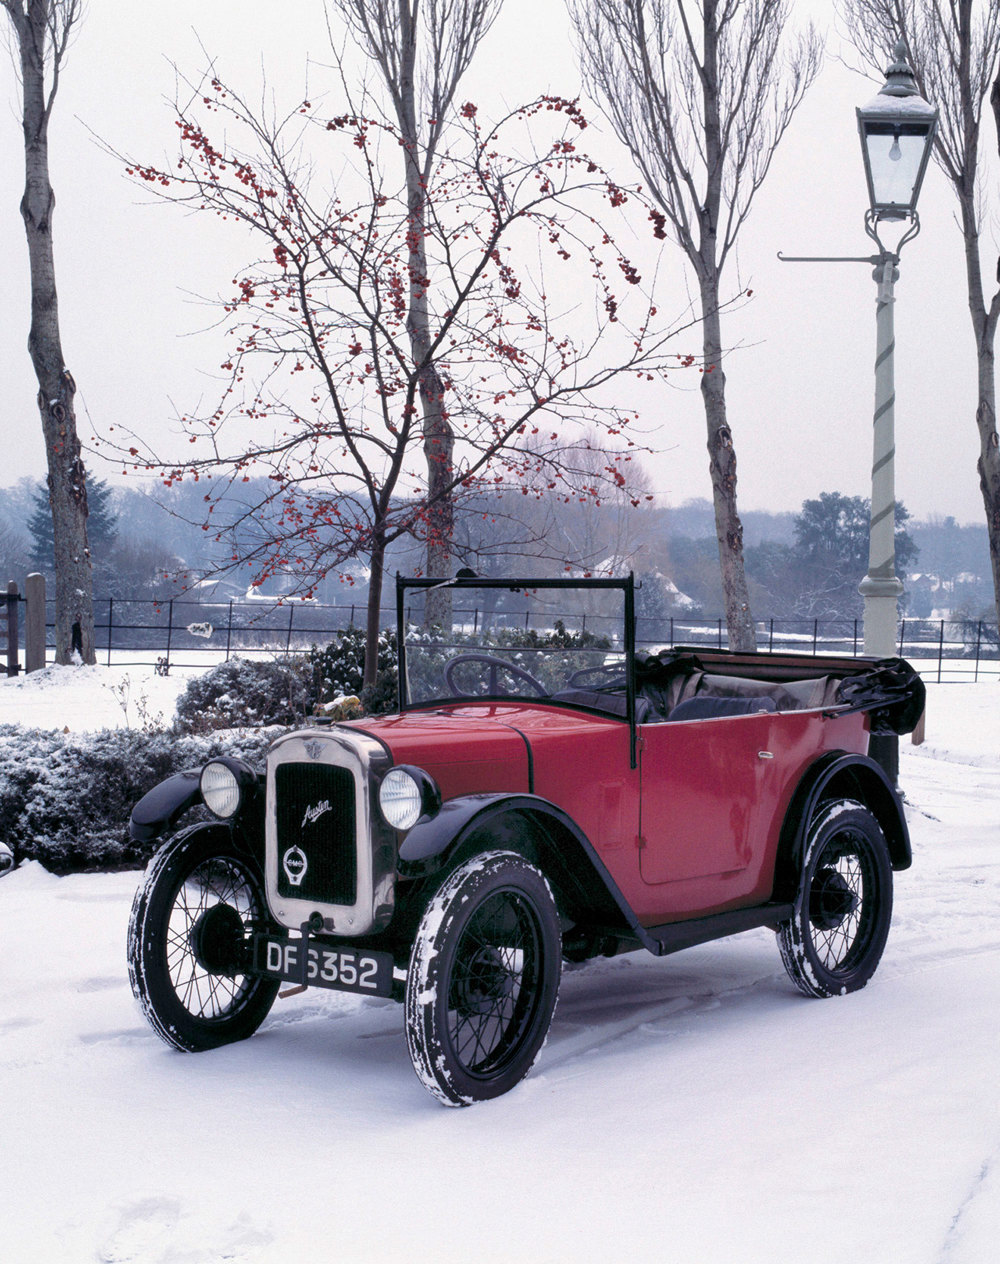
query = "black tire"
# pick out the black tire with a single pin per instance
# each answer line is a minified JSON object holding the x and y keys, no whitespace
{"x":200,"y":901}
{"x":835,"y":939}
{"x":483,"y":979}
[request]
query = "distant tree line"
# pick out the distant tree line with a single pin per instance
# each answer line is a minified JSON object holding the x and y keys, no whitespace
{"x":151,"y":545}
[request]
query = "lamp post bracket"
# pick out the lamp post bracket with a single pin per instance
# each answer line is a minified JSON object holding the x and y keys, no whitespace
{"x":869,"y":259}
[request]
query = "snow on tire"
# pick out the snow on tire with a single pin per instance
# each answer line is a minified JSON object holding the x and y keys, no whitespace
{"x":483,"y":979}
{"x":200,"y":899}
{"x":834,"y":940}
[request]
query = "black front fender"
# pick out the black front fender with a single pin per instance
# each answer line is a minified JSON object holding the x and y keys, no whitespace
{"x":541,"y":831}
{"x":162,"y":806}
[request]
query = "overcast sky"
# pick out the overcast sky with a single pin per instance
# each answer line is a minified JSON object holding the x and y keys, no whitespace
{"x":800,"y":377}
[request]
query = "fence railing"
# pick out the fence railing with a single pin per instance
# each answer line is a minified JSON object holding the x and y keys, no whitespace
{"x":189,"y":634}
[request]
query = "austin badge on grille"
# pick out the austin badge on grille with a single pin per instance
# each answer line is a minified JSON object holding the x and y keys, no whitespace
{"x":295,"y":864}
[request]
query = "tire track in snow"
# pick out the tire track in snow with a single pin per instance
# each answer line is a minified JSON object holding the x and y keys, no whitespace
{"x":597,"y":1035}
{"x":953,"y":1245}
{"x":560,"y":1050}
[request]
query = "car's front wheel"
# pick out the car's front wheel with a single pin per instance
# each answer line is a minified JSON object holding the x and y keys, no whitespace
{"x":834,"y":941}
{"x":189,"y":938}
{"x":483,"y":979}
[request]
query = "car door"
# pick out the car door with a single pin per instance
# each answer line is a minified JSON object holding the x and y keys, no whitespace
{"x":702,"y":786}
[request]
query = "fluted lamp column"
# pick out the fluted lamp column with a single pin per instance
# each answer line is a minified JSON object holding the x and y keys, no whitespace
{"x":882,"y":587}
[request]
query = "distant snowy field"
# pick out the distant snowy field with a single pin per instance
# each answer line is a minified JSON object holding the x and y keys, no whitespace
{"x":694,"y":1110}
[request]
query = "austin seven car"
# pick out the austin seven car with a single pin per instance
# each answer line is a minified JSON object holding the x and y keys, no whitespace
{"x":543,"y":793}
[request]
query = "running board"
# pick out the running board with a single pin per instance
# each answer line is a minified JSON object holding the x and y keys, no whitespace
{"x":675,"y":936}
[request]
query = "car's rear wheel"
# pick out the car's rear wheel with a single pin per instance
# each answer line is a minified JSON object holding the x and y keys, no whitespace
{"x":834,"y":941}
{"x":483,"y":979}
{"x":189,"y":942}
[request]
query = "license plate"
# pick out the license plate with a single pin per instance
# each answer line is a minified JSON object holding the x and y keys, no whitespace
{"x":342,"y":969}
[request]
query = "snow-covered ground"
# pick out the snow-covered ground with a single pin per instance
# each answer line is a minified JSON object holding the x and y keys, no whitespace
{"x":694,"y":1109}
{"x":86,"y":698}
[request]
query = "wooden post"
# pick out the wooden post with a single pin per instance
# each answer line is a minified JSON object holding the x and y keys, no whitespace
{"x":170,"y":630}
{"x":34,"y":623}
{"x":12,"y":664}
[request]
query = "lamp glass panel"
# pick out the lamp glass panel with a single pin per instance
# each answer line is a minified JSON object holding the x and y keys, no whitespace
{"x":894,"y":160}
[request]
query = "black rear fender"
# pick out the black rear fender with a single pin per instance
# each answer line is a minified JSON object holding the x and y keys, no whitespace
{"x":838,"y":775}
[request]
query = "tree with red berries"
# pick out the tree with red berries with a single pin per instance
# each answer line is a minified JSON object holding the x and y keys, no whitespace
{"x":422,"y":49}
{"x":535,"y":319}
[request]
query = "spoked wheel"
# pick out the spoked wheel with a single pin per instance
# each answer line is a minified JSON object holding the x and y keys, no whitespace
{"x":835,"y":939}
{"x":483,"y":979}
{"x":189,"y":942}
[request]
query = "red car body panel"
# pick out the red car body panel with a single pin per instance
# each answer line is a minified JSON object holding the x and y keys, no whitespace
{"x":467,"y":750}
{"x":711,"y":830}
{"x":693,"y":829}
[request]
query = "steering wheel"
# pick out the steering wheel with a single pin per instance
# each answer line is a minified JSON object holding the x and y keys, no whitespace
{"x":495,"y":665}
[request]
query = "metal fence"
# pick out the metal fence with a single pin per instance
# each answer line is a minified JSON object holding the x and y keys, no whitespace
{"x":188,"y":634}
{"x":943,"y":650}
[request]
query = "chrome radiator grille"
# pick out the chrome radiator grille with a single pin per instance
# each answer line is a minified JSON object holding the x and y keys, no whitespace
{"x":329,"y":850}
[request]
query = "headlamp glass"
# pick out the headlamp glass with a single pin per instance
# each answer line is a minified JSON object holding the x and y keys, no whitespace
{"x":220,"y":790}
{"x":400,"y":798}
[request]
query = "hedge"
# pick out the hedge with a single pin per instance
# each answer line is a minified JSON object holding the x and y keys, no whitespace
{"x":65,"y":799}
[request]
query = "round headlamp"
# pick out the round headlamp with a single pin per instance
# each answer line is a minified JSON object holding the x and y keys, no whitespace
{"x":406,"y":794}
{"x":221,"y":789}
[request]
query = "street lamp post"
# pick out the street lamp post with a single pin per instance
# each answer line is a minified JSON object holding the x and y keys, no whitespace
{"x":897,"y":135}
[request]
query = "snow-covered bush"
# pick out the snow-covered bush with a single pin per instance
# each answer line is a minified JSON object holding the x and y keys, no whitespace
{"x":246,"y":693}
{"x":338,"y":669}
{"x":65,"y":799}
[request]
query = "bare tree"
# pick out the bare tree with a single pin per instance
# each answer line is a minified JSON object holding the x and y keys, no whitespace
{"x":954,"y":48}
{"x":422,"y":48}
{"x":42,"y":30}
{"x":701,"y":92}
{"x":323,"y":384}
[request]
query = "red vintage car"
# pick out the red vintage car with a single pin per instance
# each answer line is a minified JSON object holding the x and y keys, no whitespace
{"x":541,"y":795}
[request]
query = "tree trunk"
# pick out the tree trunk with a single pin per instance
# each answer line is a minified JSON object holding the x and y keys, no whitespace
{"x":721,"y":452}
{"x":984,"y":325}
{"x":66,"y":475}
{"x":374,"y":612}
{"x":986,"y":407}
{"x":722,"y":467}
{"x":439,"y":440}
{"x":989,"y":460}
